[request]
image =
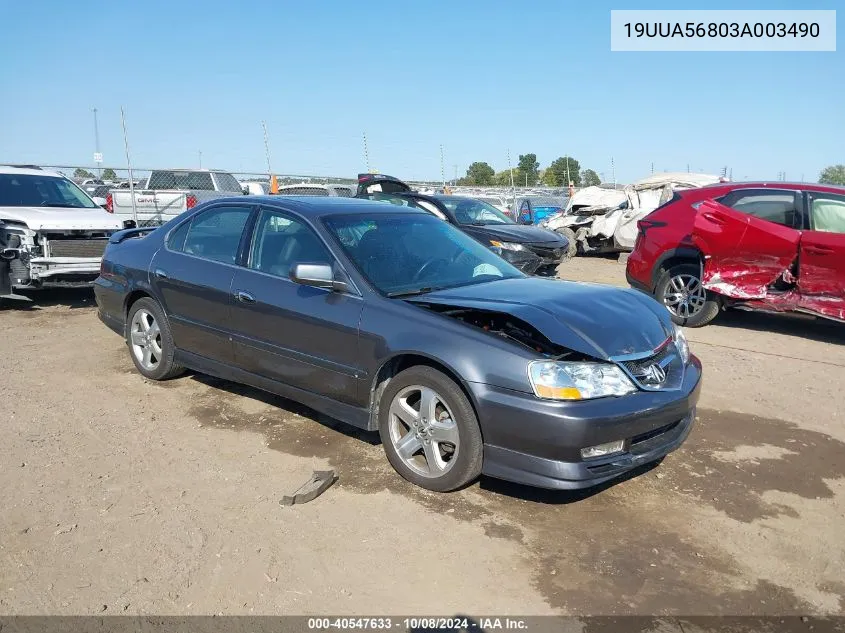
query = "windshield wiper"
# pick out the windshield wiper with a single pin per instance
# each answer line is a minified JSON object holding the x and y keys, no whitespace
{"x":411,"y":293}
{"x":62,"y":205}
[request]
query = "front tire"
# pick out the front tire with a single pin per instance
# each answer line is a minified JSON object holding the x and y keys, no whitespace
{"x":681,"y":291}
{"x":150,"y":341}
{"x":429,"y":430}
{"x":572,"y":247}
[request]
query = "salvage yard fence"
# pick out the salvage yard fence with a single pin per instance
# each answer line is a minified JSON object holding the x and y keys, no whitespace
{"x":98,"y":181}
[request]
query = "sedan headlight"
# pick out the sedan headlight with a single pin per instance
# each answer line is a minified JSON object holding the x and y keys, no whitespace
{"x":559,"y":380}
{"x":508,"y":246}
{"x":681,"y":344}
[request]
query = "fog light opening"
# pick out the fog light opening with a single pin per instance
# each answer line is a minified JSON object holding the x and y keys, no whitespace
{"x":600,"y":450}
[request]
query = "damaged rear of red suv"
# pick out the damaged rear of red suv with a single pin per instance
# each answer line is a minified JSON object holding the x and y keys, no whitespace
{"x":776,"y":247}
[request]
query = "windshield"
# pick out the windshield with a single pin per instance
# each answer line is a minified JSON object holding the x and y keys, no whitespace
{"x":23,"y":190}
{"x":403,"y":253}
{"x":475,"y":212}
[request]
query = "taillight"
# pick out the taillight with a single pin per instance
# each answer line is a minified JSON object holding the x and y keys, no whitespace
{"x":190,"y":201}
{"x":645,"y":224}
{"x":109,"y":203}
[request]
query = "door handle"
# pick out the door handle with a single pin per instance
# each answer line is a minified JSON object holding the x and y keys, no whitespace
{"x":819,"y":250}
{"x":161,"y":274}
{"x":244,"y":297}
{"x":714,"y":219}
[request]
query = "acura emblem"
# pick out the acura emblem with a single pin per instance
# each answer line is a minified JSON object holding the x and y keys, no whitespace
{"x":654,"y":374}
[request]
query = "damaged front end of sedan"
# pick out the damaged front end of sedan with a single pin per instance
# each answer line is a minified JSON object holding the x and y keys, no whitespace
{"x":506,"y":326}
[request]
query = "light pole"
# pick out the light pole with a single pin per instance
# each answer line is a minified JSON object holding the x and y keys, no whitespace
{"x":200,"y":153}
{"x":97,"y":156}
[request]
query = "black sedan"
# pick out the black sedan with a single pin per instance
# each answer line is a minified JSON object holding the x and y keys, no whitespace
{"x":530,"y":248}
{"x":393,"y":320}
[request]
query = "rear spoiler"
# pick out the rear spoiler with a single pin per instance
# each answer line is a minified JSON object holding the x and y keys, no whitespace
{"x":119,"y":236}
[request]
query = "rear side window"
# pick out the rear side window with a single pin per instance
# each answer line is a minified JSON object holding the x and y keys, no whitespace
{"x":194,"y":180}
{"x":828,"y":212}
{"x":780,"y":207}
{"x":216,"y":234}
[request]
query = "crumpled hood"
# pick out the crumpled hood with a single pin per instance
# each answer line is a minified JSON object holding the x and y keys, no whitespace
{"x":520,"y":233}
{"x":595,"y":320}
{"x":61,"y":219}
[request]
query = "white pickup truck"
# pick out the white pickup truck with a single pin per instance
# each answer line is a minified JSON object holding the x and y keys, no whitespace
{"x":169,"y":192}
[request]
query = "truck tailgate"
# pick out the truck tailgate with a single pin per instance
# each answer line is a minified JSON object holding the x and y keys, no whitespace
{"x":152,"y":207}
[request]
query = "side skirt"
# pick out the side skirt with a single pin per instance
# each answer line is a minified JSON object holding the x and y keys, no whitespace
{"x":355,"y":416}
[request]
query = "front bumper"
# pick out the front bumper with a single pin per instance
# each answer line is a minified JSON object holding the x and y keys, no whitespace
{"x":538,"y":442}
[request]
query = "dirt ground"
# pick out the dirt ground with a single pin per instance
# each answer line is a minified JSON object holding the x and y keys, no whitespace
{"x":122,"y":496}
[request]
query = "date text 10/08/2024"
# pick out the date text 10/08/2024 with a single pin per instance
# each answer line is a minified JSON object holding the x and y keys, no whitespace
{"x":412,"y":623}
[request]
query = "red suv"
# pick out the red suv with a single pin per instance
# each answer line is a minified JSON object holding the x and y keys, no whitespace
{"x":758,"y":246}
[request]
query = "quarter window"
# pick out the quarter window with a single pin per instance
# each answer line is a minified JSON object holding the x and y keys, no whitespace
{"x":214,"y":234}
{"x":281,"y":241}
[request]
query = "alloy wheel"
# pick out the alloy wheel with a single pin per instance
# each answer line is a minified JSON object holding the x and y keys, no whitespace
{"x":145,"y":337}
{"x":685,"y":296}
{"x":423,"y":431}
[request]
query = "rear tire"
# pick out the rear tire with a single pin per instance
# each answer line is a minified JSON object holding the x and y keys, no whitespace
{"x":572,"y":247}
{"x":680,"y":290}
{"x":429,"y":430}
{"x":150,"y":341}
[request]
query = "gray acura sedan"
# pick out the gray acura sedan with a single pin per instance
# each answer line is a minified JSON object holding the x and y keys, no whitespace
{"x":398,"y":322}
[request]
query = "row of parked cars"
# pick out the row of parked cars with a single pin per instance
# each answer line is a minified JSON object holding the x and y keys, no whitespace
{"x":699,"y":244}
{"x":412,"y":314}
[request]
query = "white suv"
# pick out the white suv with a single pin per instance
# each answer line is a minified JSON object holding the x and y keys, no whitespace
{"x":51,"y":231}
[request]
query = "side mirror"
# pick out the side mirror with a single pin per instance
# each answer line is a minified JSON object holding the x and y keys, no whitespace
{"x":100,"y":202}
{"x":317,"y":276}
{"x":245,"y":190}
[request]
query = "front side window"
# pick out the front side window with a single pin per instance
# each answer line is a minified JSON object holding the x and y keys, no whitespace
{"x":415,"y":252}
{"x":214,"y":234}
{"x":779,"y":207}
{"x":25,"y":190}
{"x":828,"y":212}
{"x":280,"y":242}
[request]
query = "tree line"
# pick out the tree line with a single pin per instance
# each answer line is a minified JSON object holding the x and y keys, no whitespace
{"x":108,"y":174}
{"x":527,"y":172}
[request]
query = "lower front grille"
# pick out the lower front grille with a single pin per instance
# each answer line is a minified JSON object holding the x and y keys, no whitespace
{"x":647,"y":441}
{"x":545,"y":252}
{"x":83,"y":247}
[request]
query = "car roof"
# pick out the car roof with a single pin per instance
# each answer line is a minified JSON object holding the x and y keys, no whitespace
{"x":777,"y":184}
{"x":319,"y":206}
{"x":25,"y":171}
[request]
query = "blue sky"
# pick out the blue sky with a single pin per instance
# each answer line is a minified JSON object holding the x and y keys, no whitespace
{"x":477,"y":77}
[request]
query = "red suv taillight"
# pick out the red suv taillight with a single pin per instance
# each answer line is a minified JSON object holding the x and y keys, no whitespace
{"x":190,"y":201}
{"x":645,"y":224}
{"x":109,"y":203}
